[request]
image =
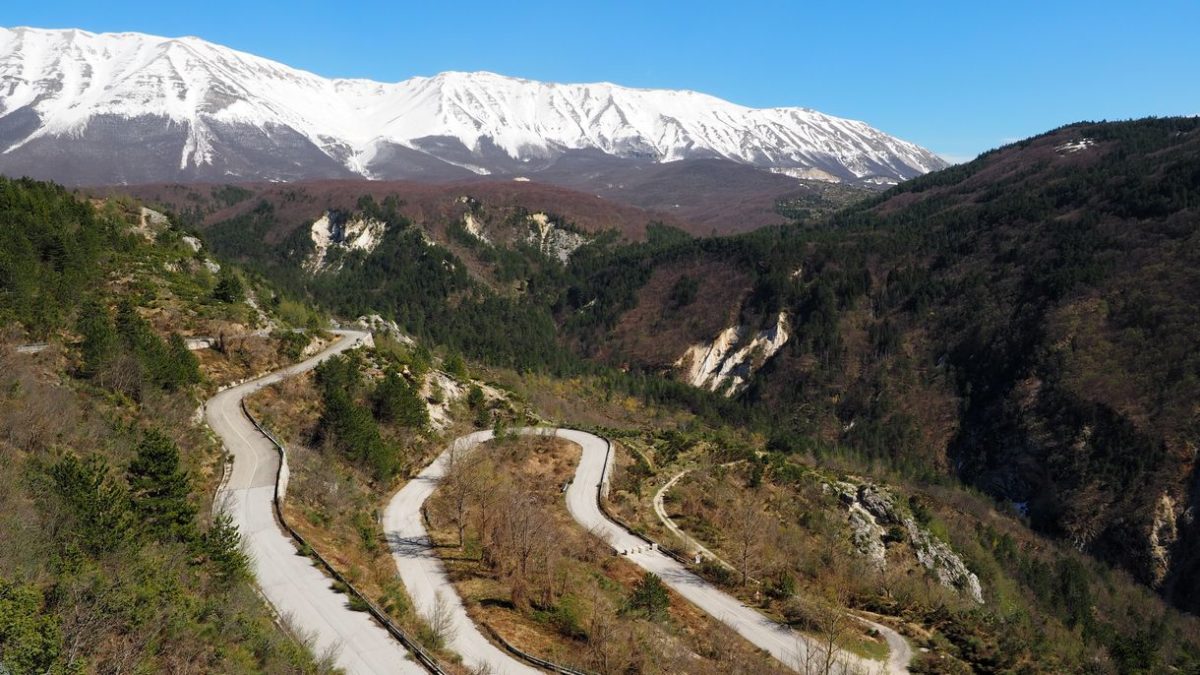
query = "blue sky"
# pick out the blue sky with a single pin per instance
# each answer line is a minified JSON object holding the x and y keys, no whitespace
{"x":957,"y":77}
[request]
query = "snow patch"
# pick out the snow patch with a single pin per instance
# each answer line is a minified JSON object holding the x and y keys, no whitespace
{"x":1074,"y":146}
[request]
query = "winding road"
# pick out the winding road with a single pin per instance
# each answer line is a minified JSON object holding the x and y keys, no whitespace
{"x":425,"y":577}
{"x":900,"y":652}
{"x":290,"y":582}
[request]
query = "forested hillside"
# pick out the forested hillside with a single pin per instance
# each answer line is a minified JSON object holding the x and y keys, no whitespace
{"x":1026,"y":321}
{"x":111,"y":559}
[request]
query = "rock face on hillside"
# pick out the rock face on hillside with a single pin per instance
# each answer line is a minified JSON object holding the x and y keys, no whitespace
{"x":872,"y":510}
{"x":377,"y":324}
{"x":552,"y":239}
{"x":726,"y":364}
{"x":336,"y":233}
{"x":1026,"y":322}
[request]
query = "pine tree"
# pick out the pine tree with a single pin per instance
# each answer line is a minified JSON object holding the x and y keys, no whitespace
{"x":456,"y":366}
{"x":398,"y":401}
{"x":184,"y":366}
{"x":99,"y":504}
{"x":99,"y":345}
{"x":475,"y":397}
{"x":160,"y":489}
{"x":229,"y":289}
{"x":649,"y":597}
{"x":223,"y":545}
{"x":30,"y":636}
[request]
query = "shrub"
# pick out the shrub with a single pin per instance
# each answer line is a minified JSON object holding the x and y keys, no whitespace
{"x":649,"y":598}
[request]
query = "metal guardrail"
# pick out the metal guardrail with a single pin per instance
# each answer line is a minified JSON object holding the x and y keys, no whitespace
{"x":425,"y":658}
{"x":513,"y":649}
{"x":623,"y":525}
{"x":541,"y":663}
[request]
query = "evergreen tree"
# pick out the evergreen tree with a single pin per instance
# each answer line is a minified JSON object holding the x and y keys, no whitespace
{"x":223,"y":545}
{"x":457,"y":367}
{"x":350,"y":427}
{"x":29,"y":634}
{"x":397,"y":401}
{"x":100,"y":505}
{"x":477,"y":402}
{"x":160,"y":488}
{"x":99,"y":344}
{"x":229,"y":288}
{"x":184,"y":366}
{"x":475,"y":397}
{"x":649,"y":597}
{"x":422,"y":361}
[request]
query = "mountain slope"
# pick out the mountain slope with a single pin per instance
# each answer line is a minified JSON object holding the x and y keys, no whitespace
{"x":188,"y":109}
{"x":1026,"y":321}
{"x":113,"y":559}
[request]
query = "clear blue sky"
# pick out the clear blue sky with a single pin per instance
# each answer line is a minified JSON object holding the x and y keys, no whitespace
{"x":958,"y":77}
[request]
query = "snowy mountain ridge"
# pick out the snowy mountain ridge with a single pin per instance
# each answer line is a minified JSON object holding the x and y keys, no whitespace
{"x":219,"y":110}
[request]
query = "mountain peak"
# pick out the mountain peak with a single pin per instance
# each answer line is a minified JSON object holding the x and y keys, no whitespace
{"x":218,"y":111}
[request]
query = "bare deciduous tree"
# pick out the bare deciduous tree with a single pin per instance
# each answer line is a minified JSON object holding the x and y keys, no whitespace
{"x":747,"y":527}
{"x":441,"y":621}
{"x":460,"y":485}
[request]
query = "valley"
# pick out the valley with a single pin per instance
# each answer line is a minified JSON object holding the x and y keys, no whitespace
{"x":468,"y":373}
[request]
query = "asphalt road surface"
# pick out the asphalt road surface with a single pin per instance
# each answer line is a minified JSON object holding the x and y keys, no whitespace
{"x":425,"y":578}
{"x":900,"y":652}
{"x":424,"y":575}
{"x":291,"y":583}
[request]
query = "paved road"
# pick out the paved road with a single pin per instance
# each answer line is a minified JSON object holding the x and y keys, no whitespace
{"x":424,"y":575}
{"x":900,"y":652}
{"x":291,"y":583}
{"x":787,"y":646}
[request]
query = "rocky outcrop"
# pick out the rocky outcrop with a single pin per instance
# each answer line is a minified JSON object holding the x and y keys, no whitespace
{"x":475,"y":228}
{"x":374,"y":323}
{"x":726,"y":364}
{"x":334,"y":231}
{"x":1164,"y":532}
{"x":868,"y":535}
{"x":553,"y":240}
{"x":872,"y":512}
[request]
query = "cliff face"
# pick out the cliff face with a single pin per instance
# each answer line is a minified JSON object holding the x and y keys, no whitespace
{"x":871,"y":509}
{"x":726,"y":364}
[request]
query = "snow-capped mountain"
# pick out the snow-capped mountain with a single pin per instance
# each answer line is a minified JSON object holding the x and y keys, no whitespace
{"x":126,"y":107}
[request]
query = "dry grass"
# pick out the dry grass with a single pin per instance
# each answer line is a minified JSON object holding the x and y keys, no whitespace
{"x":579,"y":622}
